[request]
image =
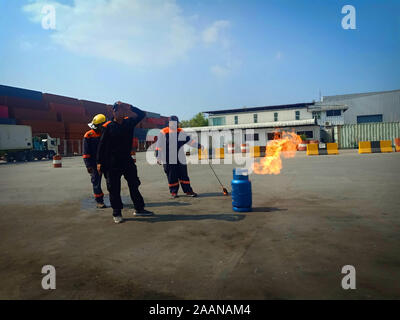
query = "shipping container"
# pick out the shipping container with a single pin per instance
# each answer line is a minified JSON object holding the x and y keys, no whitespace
{"x":156,"y":121}
{"x":92,"y":104}
{"x":109,"y":113}
{"x":71,"y":118}
{"x":91,"y":114}
{"x":20,"y":93}
{"x":53,"y":128}
{"x":32,"y":114}
{"x":7,"y":121}
{"x":76,"y":130}
{"x":75,"y":110}
{"x":53,"y":98}
{"x":147,"y":125}
{"x":3,"y":111}
{"x":70,"y":147}
{"x":349,"y":135}
{"x":152,"y":115}
{"x":17,"y":102}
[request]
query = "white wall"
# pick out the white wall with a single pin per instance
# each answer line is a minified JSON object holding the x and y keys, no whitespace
{"x":262,"y":132}
{"x":263,"y":116}
{"x":385,"y":103}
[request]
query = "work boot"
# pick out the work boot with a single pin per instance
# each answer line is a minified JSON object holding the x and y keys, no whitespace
{"x":118,"y":219}
{"x":174,"y":195}
{"x":191,"y":194}
{"x":100,"y":205}
{"x":142,"y":213}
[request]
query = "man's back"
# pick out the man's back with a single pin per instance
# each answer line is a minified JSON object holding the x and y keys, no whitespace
{"x":116,"y":142}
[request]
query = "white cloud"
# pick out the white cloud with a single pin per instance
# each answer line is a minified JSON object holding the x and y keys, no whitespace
{"x":26,"y":45}
{"x":227,"y":68}
{"x":220,"y":71}
{"x":140,"y":33}
{"x":134,"y":32}
{"x":212,"y":34}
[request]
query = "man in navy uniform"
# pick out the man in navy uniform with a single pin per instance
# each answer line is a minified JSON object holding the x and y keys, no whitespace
{"x":90,"y":144}
{"x":170,"y":153}
{"x":114,"y":158}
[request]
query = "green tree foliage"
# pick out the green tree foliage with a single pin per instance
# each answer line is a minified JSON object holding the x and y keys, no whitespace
{"x":199,"y":120}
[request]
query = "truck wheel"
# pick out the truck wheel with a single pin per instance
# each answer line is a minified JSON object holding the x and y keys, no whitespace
{"x":9,"y":158}
{"x":29,"y":157}
{"x":21,"y":157}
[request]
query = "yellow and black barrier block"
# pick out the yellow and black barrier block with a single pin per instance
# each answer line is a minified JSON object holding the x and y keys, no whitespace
{"x":255,"y":152}
{"x":220,"y":153}
{"x":202,"y":154}
{"x":375,"y":146}
{"x":315,"y":149}
{"x":397,"y":144}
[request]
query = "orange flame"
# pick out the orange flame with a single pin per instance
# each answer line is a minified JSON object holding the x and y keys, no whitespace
{"x":286,"y":144}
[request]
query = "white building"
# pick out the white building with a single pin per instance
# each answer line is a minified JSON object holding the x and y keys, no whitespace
{"x":310,"y":119}
{"x":383,"y":106}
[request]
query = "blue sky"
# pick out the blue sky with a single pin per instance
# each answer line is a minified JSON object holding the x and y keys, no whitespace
{"x":183,"y":57}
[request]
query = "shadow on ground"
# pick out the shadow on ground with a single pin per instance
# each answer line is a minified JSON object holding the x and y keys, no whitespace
{"x":267,"y":209}
{"x":211,"y":194}
{"x":186,"y":217}
{"x":160,"y":204}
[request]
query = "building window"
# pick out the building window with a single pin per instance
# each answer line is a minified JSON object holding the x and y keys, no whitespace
{"x":308,"y":134}
{"x":297,"y":113}
{"x":219,"y":121}
{"x":316,"y":114}
{"x":275,"y":116}
{"x":370,"y":118}
{"x":255,"y":118}
{"x":333,"y":113}
{"x":274,"y":135}
{"x":251,"y":137}
{"x":236,"y":119}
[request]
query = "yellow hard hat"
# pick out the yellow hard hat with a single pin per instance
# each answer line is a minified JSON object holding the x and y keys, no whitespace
{"x":99,"y":119}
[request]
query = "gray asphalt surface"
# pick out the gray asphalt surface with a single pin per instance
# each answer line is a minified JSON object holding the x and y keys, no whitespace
{"x":319,"y":214}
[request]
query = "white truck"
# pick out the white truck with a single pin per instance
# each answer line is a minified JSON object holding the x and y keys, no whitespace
{"x":17,"y":143}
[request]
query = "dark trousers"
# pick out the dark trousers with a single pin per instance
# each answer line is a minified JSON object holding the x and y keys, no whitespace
{"x":95,"y":178}
{"x":113,"y":176}
{"x":177,"y":173}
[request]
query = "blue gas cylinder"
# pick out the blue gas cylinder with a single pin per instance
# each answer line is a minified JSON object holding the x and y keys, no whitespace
{"x":241,"y":190}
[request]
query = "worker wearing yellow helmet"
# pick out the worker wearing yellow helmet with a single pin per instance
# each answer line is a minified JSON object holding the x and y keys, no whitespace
{"x":90,"y":144}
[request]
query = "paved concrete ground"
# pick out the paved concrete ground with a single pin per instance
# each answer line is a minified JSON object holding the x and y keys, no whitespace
{"x":319,"y":214}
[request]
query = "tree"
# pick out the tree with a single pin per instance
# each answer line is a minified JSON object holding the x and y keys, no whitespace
{"x":199,"y":120}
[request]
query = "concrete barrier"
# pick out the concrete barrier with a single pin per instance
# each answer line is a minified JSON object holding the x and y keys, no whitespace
{"x":244,"y":148}
{"x":375,"y":146}
{"x":219,"y":153}
{"x":318,"y":149}
{"x":203,"y":154}
{"x":57,"y":161}
{"x":397,"y":144}
{"x":255,"y":152}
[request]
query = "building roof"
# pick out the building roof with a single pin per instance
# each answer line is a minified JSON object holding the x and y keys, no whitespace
{"x":322,"y":106}
{"x":275,"y":124}
{"x":355,"y":95}
{"x":265,"y":108}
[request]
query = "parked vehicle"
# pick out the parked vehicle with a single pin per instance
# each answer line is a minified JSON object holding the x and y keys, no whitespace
{"x":17,"y":143}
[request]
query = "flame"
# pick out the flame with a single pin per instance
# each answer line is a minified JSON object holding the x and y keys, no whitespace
{"x":284,"y":143}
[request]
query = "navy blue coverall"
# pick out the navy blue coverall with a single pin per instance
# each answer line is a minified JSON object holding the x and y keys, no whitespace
{"x":114,"y":156}
{"x":90,"y":143}
{"x":175,"y":165}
